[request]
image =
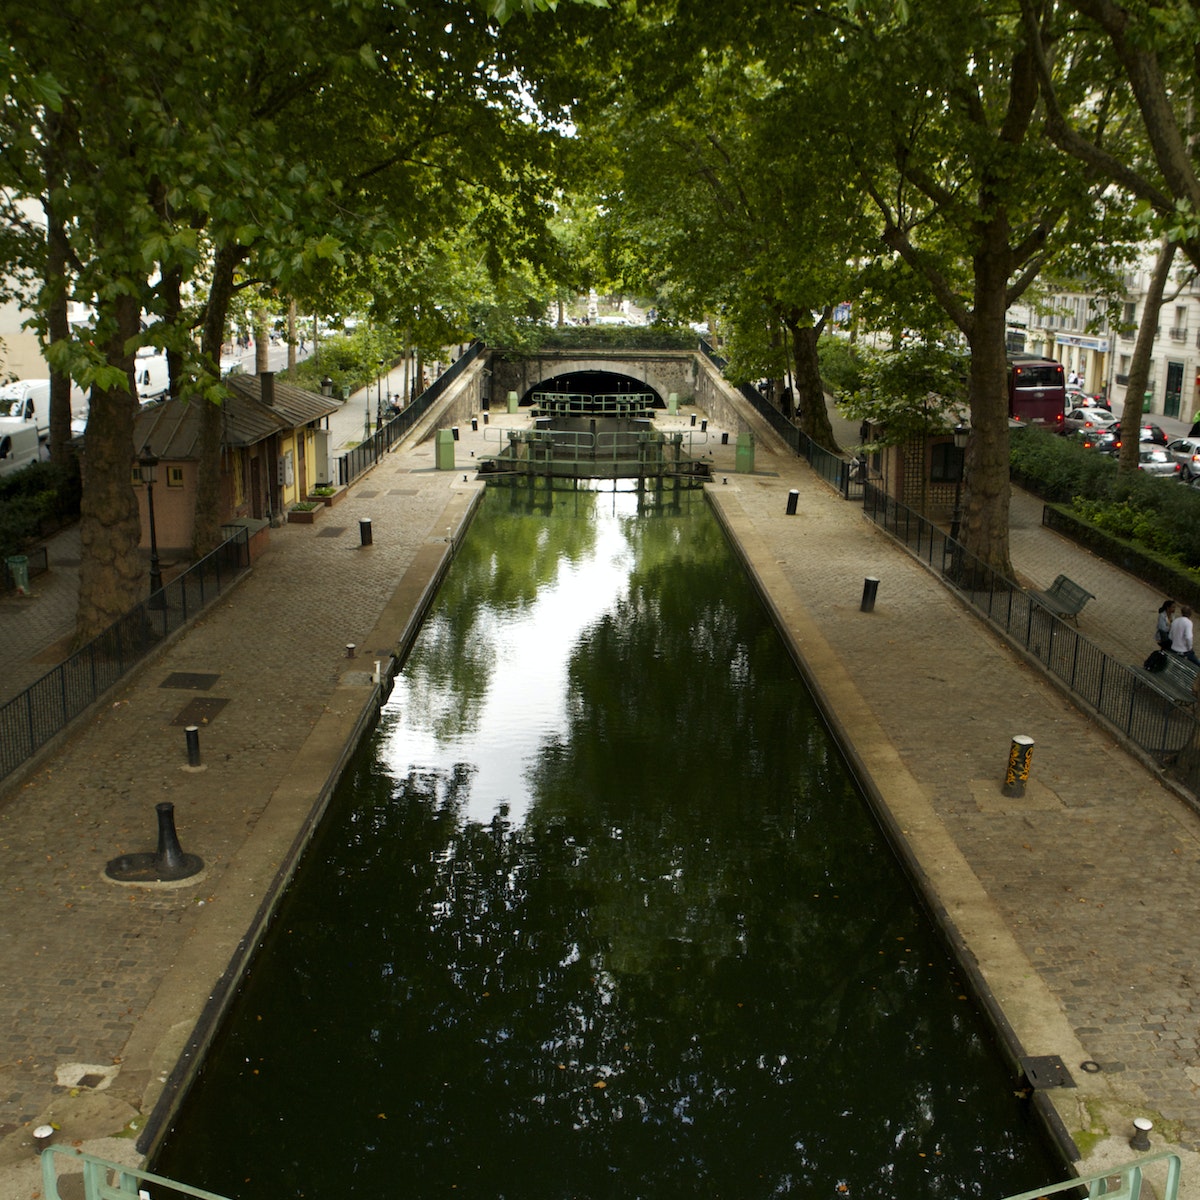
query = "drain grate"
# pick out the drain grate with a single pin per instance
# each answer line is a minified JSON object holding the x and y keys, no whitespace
{"x":192,"y":680}
{"x":332,"y":531}
{"x":200,"y":712}
{"x":1046,"y":1071}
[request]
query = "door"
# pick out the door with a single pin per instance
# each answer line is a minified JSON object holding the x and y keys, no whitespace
{"x":1174,"y":388}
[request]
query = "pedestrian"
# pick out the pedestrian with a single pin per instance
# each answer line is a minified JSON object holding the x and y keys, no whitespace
{"x":1166,"y":614}
{"x":1181,"y":635}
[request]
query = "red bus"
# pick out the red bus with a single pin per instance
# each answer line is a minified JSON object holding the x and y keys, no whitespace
{"x":1037,"y":391}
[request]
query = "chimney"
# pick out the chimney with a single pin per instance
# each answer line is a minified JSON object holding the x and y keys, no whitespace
{"x":267,"y":379}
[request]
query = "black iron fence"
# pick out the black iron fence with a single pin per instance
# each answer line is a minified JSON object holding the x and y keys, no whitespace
{"x":1124,"y":695}
{"x":29,"y":720}
{"x":395,"y":429}
{"x":847,"y":475}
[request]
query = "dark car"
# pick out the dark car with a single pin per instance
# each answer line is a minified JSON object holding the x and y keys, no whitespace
{"x":1153,"y":433}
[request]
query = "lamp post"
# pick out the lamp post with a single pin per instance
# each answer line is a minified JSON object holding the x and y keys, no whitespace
{"x":379,"y":396}
{"x":962,"y":434}
{"x":148,"y":469}
{"x":327,"y":387}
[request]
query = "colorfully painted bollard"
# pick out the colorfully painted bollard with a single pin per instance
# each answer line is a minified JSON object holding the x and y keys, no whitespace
{"x":1020,"y":755}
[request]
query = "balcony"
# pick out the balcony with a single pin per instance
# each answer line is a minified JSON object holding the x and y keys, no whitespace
{"x":1179,"y":333}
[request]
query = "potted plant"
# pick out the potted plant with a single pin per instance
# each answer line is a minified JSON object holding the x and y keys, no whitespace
{"x":303,"y":512}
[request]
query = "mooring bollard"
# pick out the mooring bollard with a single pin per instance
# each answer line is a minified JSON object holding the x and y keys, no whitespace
{"x":192,"y":734}
{"x":793,"y":498}
{"x":1020,"y":754}
{"x":870,"y":587}
{"x":364,"y":531}
{"x":1141,"y":1133}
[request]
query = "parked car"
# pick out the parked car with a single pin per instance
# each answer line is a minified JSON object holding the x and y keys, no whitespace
{"x":1153,"y":433}
{"x":1089,"y":418}
{"x":1156,"y":461}
{"x":1107,"y":441}
{"x":1186,"y":452}
{"x":1077,"y":398}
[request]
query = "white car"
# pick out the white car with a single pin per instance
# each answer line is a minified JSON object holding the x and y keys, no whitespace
{"x":1088,"y":419}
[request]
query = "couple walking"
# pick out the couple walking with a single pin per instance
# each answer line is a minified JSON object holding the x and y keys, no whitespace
{"x":1175,"y":631}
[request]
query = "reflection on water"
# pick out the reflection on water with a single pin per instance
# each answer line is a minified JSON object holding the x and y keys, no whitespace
{"x":599,"y":913}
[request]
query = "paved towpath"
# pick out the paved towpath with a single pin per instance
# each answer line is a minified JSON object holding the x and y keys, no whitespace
{"x":1077,"y":900}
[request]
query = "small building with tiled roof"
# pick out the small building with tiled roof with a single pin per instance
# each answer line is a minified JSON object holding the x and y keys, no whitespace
{"x":274,"y":448}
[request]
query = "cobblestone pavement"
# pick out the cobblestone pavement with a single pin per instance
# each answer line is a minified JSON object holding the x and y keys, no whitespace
{"x":1076,"y":900}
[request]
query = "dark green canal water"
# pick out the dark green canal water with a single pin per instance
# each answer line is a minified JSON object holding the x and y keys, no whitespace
{"x":600,"y":912}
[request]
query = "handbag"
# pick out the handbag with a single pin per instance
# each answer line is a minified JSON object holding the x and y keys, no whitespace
{"x":1156,"y":662}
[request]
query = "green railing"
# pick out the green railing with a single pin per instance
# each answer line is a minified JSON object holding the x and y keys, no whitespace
{"x":104,"y":1180}
{"x":1120,"y":1183}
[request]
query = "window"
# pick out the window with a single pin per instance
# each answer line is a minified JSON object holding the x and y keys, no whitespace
{"x":175,"y":477}
{"x":946,"y":463}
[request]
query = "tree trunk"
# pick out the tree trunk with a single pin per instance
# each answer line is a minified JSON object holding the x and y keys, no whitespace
{"x":206,"y":525}
{"x":262,"y":342}
{"x":813,"y":415}
{"x":112,"y":576}
{"x":1143,"y":351}
{"x":986,"y":488}
{"x":58,"y":325}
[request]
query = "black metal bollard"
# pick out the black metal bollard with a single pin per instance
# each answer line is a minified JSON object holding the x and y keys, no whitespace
{"x":192,"y":733}
{"x":1020,"y":755}
{"x":793,"y":499}
{"x":870,"y":587}
{"x":364,"y":531}
{"x":704,"y":426}
{"x":725,"y":438}
{"x":485,"y":418}
{"x":693,"y":418}
{"x":474,"y":424}
{"x":170,"y":862}
{"x":454,"y":432}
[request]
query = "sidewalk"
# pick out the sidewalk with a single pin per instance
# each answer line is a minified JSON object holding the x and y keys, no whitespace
{"x":1075,"y":900}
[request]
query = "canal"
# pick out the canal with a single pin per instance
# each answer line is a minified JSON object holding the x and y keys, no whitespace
{"x":599,"y":911}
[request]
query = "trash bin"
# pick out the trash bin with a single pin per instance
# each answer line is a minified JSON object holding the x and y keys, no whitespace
{"x":745,"y":454}
{"x":18,"y":570}
{"x":443,"y":450}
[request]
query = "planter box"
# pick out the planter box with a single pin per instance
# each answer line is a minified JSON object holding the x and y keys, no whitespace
{"x":328,"y":501}
{"x":299,"y":516}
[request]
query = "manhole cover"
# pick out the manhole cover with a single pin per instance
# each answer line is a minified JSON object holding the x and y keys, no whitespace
{"x":1047,"y":1071}
{"x":405,"y":492}
{"x":192,"y":680}
{"x":200,"y":712}
{"x":332,"y":531}
{"x":367,"y":495}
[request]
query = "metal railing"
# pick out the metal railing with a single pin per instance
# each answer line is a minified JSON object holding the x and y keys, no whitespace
{"x":31,"y":718}
{"x":846,"y":475}
{"x":395,"y":429}
{"x":1124,"y":696}
{"x":1120,"y":1183}
{"x":104,"y":1180}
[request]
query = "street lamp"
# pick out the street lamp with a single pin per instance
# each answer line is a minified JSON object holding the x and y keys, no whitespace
{"x":962,"y":434}
{"x":379,"y":396}
{"x":148,"y":469}
{"x":327,"y":387}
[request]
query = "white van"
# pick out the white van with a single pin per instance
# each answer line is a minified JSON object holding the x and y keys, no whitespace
{"x":19,"y":446}
{"x":151,"y":375}
{"x":26,"y":402}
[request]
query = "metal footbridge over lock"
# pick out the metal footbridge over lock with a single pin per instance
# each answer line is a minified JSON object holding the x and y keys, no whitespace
{"x":583,"y":435}
{"x":1158,"y":1174}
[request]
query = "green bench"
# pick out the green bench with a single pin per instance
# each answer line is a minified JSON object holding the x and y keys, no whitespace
{"x":1176,"y":679}
{"x":1065,"y":598}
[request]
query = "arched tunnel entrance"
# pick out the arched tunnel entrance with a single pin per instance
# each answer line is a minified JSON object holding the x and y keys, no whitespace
{"x":593,"y":383}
